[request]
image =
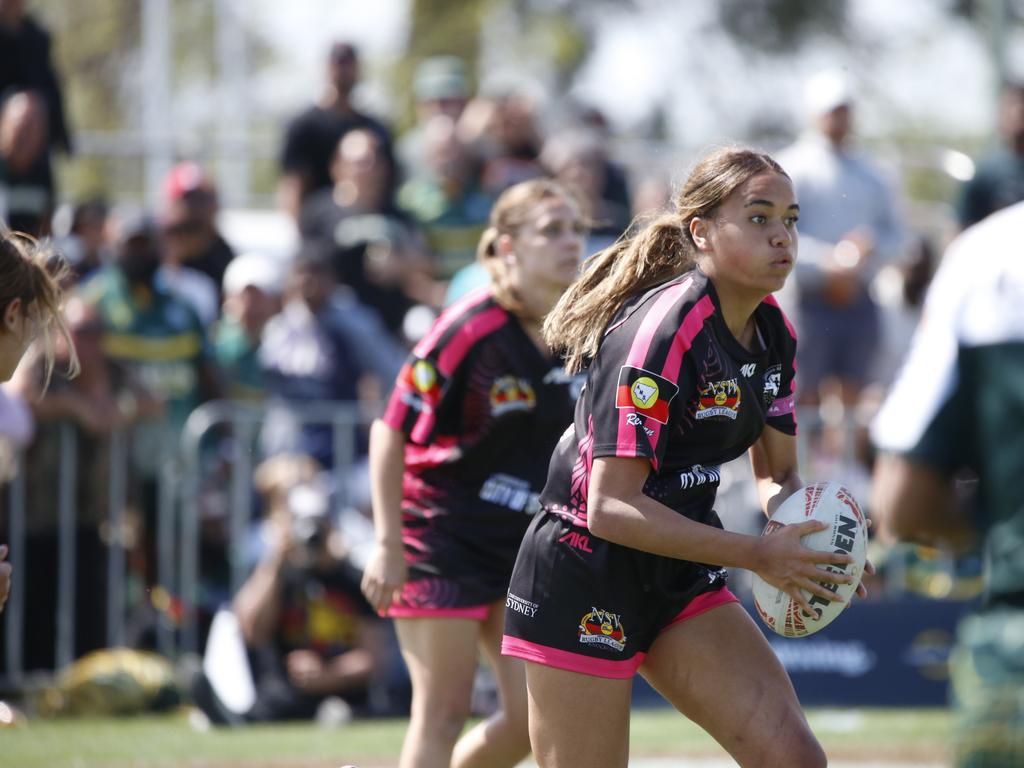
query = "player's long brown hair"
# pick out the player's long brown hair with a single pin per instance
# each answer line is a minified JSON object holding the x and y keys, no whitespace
{"x":510,"y":213}
{"x":650,"y":253}
{"x":32,"y":272}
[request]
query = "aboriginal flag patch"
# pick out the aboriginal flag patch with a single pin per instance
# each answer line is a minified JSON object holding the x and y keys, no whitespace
{"x":647,"y":393}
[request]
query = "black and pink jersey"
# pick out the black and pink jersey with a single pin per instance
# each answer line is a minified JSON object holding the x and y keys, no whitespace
{"x":671,"y":384}
{"x":481,"y":408}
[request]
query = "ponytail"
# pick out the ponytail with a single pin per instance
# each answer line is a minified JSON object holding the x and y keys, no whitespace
{"x":656,"y":252}
{"x":32,"y":272}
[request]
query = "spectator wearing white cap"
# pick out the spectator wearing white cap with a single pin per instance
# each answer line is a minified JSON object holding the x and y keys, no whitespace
{"x":252,"y":295}
{"x":850,"y":229}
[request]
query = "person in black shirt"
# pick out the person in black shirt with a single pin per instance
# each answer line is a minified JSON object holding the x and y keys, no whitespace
{"x":456,"y":464}
{"x":26,"y":68}
{"x":311,"y":138}
{"x":690,"y":358}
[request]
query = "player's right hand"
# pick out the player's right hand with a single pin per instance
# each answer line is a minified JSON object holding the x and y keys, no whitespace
{"x":792,"y":567}
{"x":384,"y":577}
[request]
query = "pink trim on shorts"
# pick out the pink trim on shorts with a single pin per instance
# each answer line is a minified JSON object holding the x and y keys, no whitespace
{"x":474,"y":612}
{"x":702,"y":604}
{"x":572,"y":662}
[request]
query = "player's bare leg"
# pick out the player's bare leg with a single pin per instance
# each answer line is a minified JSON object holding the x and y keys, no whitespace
{"x":440,"y":654}
{"x":719,"y":671}
{"x":577,"y":720}
{"x":504,"y":738}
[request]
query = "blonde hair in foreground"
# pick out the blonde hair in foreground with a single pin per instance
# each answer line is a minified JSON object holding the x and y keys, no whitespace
{"x":32,"y":272}
{"x":652,"y":252}
{"x":510,"y":213}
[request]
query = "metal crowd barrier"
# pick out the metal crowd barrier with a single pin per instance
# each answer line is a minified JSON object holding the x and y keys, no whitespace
{"x":179,"y":520}
{"x":177,"y":523}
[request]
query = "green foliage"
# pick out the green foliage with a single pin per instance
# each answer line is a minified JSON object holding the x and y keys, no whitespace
{"x":781,"y":25}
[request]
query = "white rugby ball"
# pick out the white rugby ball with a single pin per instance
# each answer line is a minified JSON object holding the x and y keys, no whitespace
{"x":847,"y":533}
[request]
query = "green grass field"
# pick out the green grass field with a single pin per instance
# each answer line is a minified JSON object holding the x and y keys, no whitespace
{"x":902,"y":736}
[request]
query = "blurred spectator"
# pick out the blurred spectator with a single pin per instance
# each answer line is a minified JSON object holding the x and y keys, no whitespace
{"x":999,"y":176}
{"x":375,"y":248}
{"x":850,"y":229}
{"x":502,"y":129}
{"x":82,"y":236}
{"x":322,"y":346}
{"x":253,"y":283}
{"x":190,"y":225}
{"x":26,"y":67}
{"x":24,"y":163}
{"x":314,"y":644}
{"x":579,"y":160}
{"x":100,"y":400}
{"x":312,"y":137}
{"x":446,"y":199}
{"x":653,"y":194}
{"x":440,"y":87}
{"x":161,"y":341}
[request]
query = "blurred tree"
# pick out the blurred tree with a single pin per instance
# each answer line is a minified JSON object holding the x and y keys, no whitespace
{"x":781,"y":25}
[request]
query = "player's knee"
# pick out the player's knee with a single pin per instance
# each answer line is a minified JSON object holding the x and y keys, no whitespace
{"x":444,"y":718}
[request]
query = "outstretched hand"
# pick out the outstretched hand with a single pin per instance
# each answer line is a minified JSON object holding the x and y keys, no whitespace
{"x":793,"y":568}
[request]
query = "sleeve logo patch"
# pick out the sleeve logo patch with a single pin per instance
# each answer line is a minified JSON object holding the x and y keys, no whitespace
{"x":424,"y":376}
{"x":645,"y":393}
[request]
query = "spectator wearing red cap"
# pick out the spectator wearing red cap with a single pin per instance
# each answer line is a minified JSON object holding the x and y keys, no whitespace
{"x":312,"y":136}
{"x":190,"y":224}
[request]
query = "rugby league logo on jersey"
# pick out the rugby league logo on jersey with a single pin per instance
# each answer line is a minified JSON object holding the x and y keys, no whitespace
{"x":424,"y":384}
{"x":648,"y":394}
{"x":719,"y":398}
{"x":510,"y":393}
{"x":602,"y":628}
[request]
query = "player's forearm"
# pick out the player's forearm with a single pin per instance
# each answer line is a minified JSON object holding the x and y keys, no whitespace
{"x":915,"y":503}
{"x":387,"y":466}
{"x":644,"y":524}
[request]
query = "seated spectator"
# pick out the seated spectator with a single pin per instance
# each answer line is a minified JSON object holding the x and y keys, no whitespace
{"x":446,"y":199}
{"x":253,"y":283}
{"x":314,"y":645}
{"x":189,"y":219}
{"x":376,"y":249}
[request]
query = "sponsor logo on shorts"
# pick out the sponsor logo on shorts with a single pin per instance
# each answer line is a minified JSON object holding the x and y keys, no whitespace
{"x":576,"y":540}
{"x":719,"y":399}
{"x":521,"y":605}
{"x":645,"y":393}
{"x":603,"y":628}
{"x":510,"y":393}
